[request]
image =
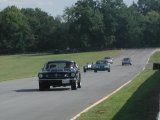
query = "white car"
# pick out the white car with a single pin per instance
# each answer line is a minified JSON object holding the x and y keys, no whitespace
{"x":109,"y":60}
{"x":88,"y":66}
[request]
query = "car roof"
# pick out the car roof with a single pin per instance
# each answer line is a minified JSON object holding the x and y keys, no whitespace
{"x":101,"y":61}
{"x":59,"y":61}
{"x":126,"y":58}
{"x":107,"y":58}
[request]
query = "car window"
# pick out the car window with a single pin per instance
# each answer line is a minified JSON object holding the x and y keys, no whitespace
{"x":107,"y":58}
{"x":70,"y":65}
{"x":60,"y":65}
{"x":126,"y":59}
{"x":101,"y":62}
{"x":56,"y":65}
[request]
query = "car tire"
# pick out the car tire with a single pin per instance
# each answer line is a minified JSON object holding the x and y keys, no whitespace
{"x":95,"y":71}
{"x":74,"y":85}
{"x":109,"y":70}
{"x":79,"y":81}
{"x":79,"y":84}
{"x":43,"y":86}
{"x":84,"y":70}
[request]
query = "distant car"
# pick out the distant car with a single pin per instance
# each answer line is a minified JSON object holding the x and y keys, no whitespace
{"x":126,"y":61}
{"x":57,"y":51}
{"x":109,"y":59}
{"x":102,"y":65}
{"x":88,"y":66}
{"x":59,"y":73}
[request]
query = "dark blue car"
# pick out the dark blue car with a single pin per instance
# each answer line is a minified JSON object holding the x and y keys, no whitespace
{"x":126,"y":61}
{"x":59,"y":73}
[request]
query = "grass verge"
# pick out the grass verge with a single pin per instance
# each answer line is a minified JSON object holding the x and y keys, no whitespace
{"x":28,"y":65}
{"x":137,"y":101}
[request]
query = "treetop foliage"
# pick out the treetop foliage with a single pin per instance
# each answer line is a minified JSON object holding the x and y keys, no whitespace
{"x":87,"y":25}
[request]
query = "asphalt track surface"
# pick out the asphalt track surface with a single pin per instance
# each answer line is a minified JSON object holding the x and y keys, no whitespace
{"x":21,"y":99}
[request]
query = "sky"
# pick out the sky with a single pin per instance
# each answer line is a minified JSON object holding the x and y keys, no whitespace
{"x":52,"y":7}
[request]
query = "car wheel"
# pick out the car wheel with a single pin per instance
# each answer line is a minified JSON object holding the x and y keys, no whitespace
{"x":109,"y":70}
{"x":95,"y":70}
{"x":84,"y":70}
{"x":79,"y":81}
{"x":79,"y":84}
{"x":43,"y":86}
{"x":122,"y":64}
{"x":74,"y":85}
{"x":47,"y":86}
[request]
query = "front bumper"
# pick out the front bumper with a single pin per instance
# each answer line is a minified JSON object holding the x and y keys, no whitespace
{"x":102,"y":69}
{"x":57,"y":82}
{"x":88,"y":68}
{"x":126,"y":62}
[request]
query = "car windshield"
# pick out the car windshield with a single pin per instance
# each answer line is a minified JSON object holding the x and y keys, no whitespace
{"x":59,"y":64}
{"x":107,"y":58}
{"x":101,"y":62}
{"x":126,"y":59}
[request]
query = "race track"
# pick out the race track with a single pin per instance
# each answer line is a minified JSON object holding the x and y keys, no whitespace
{"x":21,"y":99}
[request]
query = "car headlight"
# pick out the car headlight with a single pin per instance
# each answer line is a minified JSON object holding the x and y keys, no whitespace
{"x":65,"y":75}
{"x":106,"y":66}
{"x":40,"y":75}
{"x":73,"y":74}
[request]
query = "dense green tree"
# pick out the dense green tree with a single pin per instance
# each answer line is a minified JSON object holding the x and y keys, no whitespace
{"x":135,"y":28}
{"x":16,"y":35}
{"x":148,"y":5}
{"x":43,"y":27}
{"x":152,"y":29}
{"x":115,"y":22}
{"x":89,"y":24}
{"x":86,"y":24}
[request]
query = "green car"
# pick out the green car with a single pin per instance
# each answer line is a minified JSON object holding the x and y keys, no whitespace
{"x":102,"y":65}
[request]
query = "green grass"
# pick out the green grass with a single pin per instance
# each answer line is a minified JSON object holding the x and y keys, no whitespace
{"x":28,"y":65}
{"x":155,"y":57}
{"x":137,"y":101}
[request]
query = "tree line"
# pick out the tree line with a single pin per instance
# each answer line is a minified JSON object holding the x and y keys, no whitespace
{"x":87,"y":25}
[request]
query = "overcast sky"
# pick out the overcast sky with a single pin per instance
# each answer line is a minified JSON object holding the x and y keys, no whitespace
{"x":52,"y":7}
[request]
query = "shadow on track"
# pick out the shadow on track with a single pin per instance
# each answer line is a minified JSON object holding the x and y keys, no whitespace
{"x":27,"y":90}
{"x":37,"y":90}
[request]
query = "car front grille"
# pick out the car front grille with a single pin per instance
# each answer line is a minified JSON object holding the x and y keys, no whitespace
{"x":56,"y":75}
